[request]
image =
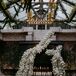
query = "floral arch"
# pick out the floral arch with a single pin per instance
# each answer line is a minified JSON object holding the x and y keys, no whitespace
{"x":27,"y":60}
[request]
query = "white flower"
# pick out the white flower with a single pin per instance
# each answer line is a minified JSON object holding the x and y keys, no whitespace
{"x":49,"y":52}
{"x":27,"y":60}
{"x":57,"y":61}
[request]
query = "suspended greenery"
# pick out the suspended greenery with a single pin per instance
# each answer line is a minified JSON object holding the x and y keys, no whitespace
{"x":6,"y":4}
{"x":26,"y":5}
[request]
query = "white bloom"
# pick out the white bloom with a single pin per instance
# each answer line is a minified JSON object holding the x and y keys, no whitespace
{"x":27,"y":60}
{"x":49,"y":52}
{"x":57,"y":61}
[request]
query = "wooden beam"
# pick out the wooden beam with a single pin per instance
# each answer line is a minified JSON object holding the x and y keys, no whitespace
{"x":72,"y":14}
{"x":69,"y":2}
{"x":63,"y":9}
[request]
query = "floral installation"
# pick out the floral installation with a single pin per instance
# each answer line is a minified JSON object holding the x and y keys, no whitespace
{"x":27,"y":60}
{"x":57,"y":61}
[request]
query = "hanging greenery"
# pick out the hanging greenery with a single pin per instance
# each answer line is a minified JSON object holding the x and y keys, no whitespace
{"x":27,"y":4}
{"x":6,"y":4}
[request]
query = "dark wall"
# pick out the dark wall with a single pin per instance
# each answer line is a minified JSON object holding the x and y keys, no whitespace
{"x":11,"y":52}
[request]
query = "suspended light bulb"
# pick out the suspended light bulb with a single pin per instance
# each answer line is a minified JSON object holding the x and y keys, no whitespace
{"x":49,"y":16}
{"x":29,"y":14}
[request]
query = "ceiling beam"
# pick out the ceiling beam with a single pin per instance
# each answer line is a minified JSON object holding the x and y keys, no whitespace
{"x":72,"y":14}
{"x":69,"y":2}
{"x":11,"y":3}
{"x":63,"y":9}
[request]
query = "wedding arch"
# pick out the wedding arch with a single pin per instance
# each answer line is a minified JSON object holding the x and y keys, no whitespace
{"x":27,"y":60}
